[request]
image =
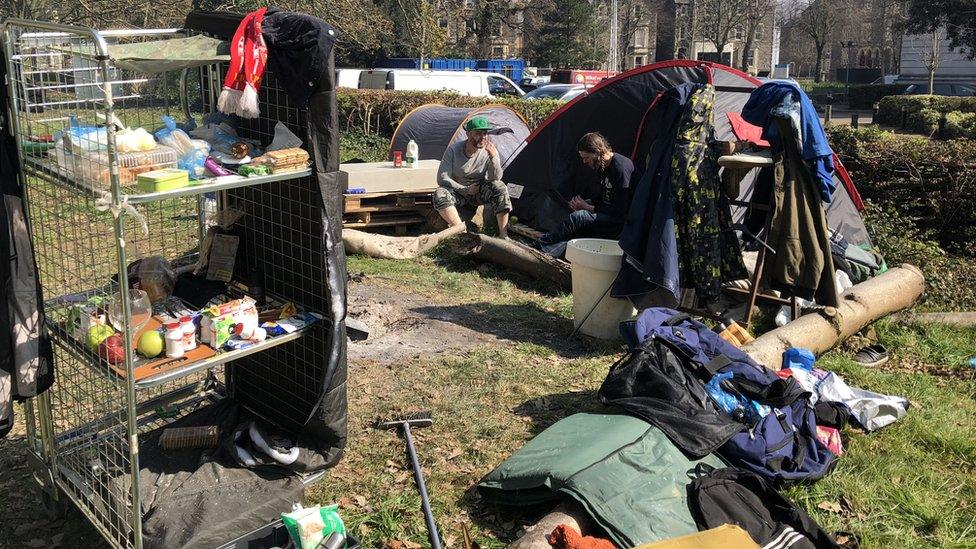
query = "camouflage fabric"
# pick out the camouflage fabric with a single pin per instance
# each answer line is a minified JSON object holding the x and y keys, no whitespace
{"x":492,"y":194}
{"x":167,"y":55}
{"x":708,"y":248}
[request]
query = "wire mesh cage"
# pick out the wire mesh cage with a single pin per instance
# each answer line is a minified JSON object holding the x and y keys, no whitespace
{"x":90,"y":220}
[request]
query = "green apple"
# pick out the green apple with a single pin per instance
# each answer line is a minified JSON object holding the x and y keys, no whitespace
{"x":151,"y":344}
{"x":97,"y":334}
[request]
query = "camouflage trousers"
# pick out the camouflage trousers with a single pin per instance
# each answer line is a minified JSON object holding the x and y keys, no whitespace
{"x":493,"y":195}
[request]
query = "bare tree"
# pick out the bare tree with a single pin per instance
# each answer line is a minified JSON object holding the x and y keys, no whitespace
{"x":718,"y":20}
{"x":417,"y":29}
{"x":929,"y":49}
{"x":818,"y":19}
{"x":757,"y":11}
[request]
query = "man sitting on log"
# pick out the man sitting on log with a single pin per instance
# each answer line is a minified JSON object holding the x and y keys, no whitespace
{"x":603,"y":216}
{"x":471,"y":174}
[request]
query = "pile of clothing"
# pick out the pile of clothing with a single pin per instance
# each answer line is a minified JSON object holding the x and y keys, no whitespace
{"x":706,"y":438}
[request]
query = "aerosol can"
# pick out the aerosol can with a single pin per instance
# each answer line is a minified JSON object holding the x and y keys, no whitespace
{"x":413,"y":154}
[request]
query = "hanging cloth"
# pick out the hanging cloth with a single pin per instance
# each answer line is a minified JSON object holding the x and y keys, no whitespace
{"x":679,"y":228}
{"x":26,"y":355}
{"x":708,"y":249}
{"x":248,"y":57}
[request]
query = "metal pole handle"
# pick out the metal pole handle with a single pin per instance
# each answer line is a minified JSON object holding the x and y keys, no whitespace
{"x":418,"y":475}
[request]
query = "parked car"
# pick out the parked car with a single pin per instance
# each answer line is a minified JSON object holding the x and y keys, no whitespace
{"x":530,"y":83}
{"x":577,"y":76}
{"x":954,"y":90}
{"x":473,"y":83}
{"x":560,"y":92}
{"x":348,"y":78}
{"x":887,"y":79}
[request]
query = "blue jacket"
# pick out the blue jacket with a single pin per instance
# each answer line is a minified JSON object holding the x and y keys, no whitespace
{"x":648,"y":237}
{"x":783,"y":99}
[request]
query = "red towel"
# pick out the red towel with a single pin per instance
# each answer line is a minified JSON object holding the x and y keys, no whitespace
{"x":746,"y":131}
{"x":565,"y":537}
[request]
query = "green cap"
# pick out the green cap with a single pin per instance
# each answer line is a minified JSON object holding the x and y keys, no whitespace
{"x":477,"y":123}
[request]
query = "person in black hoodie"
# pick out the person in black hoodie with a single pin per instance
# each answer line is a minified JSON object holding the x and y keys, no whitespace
{"x":603,"y":215}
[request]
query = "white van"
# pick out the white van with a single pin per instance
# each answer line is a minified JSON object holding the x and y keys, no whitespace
{"x":473,"y":83}
{"x":348,"y":78}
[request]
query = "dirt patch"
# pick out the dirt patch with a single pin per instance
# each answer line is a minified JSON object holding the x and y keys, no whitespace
{"x":25,"y":522}
{"x":404,"y":325}
{"x":399,"y":328}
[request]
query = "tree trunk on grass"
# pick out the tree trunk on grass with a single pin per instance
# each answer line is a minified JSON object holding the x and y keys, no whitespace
{"x":516,"y":256}
{"x":394,"y":247}
{"x":892,"y":291}
{"x":896,"y":289}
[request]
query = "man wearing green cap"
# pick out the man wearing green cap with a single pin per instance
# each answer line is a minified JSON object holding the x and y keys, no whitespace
{"x":471,"y":174}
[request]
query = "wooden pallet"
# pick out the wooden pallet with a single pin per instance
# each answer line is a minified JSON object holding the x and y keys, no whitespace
{"x":525,"y":231}
{"x":387,"y":201}
{"x":399,"y":210}
{"x":400,"y":222}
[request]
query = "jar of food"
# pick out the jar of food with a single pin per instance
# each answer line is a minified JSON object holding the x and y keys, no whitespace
{"x":189,"y":333}
{"x":174,"y":340}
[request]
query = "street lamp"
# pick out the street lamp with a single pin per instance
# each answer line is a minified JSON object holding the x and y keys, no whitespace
{"x":850,"y":45}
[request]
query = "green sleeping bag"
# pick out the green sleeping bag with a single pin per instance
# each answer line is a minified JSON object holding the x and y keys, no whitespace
{"x":627,"y":475}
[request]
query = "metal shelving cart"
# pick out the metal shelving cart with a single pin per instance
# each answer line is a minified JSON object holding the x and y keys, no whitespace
{"x":85,"y":210}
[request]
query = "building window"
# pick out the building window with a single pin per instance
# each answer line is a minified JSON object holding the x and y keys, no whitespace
{"x":442,"y":22}
{"x":738,"y":32}
{"x":638,"y":60}
{"x":637,"y":12}
{"x":639,"y":37}
{"x":759,"y":31}
{"x":498,"y":52}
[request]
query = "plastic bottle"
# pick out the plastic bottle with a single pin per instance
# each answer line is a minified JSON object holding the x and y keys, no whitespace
{"x":174,"y":340}
{"x":205,"y":328}
{"x":413,"y":154}
{"x":189,"y":333}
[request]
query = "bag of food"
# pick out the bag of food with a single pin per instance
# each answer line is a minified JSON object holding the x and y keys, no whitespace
{"x":309,"y":526}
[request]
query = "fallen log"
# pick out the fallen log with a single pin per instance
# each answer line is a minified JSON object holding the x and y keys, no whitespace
{"x":892,"y":291}
{"x":516,"y":256}
{"x":960,"y":320}
{"x":394,"y":247}
{"x":896,"y":289}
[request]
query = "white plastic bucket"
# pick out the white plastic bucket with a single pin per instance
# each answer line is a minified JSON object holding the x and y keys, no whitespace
{"x":595,"y":263}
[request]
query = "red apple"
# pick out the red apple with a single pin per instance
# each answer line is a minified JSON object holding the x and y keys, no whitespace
{"x":112,"y":349}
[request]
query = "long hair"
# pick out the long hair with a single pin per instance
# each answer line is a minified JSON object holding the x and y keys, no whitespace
{"x":594,"y":143}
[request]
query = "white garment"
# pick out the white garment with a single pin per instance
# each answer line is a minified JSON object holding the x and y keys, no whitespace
{"x":872,"y":410}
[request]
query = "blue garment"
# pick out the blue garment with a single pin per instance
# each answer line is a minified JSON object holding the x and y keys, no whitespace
{"x":783,"y":99}
{"x":695,"y":340}
{"x":648,"y":237}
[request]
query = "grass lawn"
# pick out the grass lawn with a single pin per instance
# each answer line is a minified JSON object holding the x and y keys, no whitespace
{"x":908,"y":485}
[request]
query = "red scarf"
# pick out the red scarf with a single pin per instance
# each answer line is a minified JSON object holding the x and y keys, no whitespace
{"x":248,"y":57}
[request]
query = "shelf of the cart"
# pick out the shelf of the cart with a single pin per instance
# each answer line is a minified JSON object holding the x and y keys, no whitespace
{"x":217,"y":358}
{"x":54,"y":173}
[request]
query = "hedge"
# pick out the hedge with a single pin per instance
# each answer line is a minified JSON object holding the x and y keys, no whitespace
{"x":930,"y":182}
{"x":866,"y":95}
{"x":924,"y":111}
{"x":379,"y":111}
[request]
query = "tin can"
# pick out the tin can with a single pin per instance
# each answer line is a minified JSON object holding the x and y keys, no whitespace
{"x":397,"y":159}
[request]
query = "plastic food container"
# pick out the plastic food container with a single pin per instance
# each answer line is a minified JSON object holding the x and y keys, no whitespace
{"x":163,"y":180}
{"x":92,"y":168}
